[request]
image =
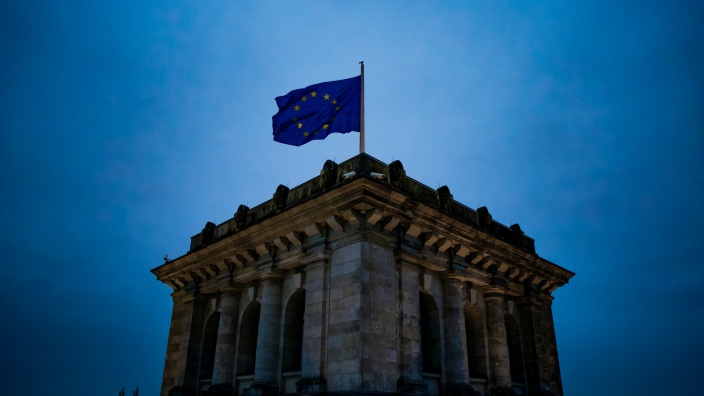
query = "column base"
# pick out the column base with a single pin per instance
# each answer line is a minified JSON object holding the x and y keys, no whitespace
{"x":311,"y":385}
{"x":182,"y":391}
{"x":219,"y":390}
{"x":502,"y":391}
{"x":262,"y":388}
{"x":460,"y":389}
{"x":412,"y":386}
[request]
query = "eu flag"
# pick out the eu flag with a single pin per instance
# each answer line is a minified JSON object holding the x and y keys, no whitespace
{"x":314,"y":112}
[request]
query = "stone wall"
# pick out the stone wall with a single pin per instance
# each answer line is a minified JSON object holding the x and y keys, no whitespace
{"x":361,"y":286}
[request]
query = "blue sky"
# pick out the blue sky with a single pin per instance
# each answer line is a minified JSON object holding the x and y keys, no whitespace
{"x":126,"y":126}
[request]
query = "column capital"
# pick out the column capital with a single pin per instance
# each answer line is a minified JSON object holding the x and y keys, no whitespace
{"x":231,"y":289}
{"x":316,"y":257}
{"x":452,"y":280}
{"x":530,"y":301}
{"x":406,"y":257}
{"x":408,"y":260}
{"x":193,"y":297}
{"x":271,"y":274}
{"x":493,"y":292}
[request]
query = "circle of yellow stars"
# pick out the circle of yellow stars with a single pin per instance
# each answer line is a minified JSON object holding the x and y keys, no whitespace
{"x":304,"y":98}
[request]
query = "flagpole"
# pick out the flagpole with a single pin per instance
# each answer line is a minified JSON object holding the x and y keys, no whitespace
{"x":361,"y":114}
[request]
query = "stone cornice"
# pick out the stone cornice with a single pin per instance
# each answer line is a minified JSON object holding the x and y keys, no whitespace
{"x":448,"y":237}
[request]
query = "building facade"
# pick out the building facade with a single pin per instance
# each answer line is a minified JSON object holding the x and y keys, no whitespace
{"x":361,"y":281}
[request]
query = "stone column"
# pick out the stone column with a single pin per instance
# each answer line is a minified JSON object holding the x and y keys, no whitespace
{"x":183,"y":350}
{"x":194,"y":329}
{"x":266,"y":368}
{"x":313,"y":359}
{"x":539,"y":346}
{"x":172,"y":371}
{"x":530,"y":320}
{"x":225,"y":349}
{"x":498,"y":344}
{"x":409,"y":328}
{"x":553,"y":362}
{"x":379,"y":370}
{"x":456,"y":371}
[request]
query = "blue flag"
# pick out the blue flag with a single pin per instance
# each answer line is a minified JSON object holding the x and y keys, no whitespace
{"x":314,"y":112}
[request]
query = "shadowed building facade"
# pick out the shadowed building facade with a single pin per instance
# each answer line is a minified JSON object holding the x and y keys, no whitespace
{"x":361,"y":281}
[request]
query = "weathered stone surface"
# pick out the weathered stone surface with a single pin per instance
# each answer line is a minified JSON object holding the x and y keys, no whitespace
{"x":363,"y":285}
{"x":225,"y":349}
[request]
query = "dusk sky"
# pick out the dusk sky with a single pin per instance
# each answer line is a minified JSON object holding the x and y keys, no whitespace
{"x":126,"y":126}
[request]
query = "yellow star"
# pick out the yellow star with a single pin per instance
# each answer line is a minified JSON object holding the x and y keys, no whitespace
{"x":306,"y":133}
{"x":313,"y":94}
{"x":325,"y":126}
{"x":300,"y":125}
{"x":296,"y":107}
{"x":295,"y":119}
{"x":304,"y":98}
{"x":334,"y":101}
{"x":326,"y":96}
{"x":337,"y":108}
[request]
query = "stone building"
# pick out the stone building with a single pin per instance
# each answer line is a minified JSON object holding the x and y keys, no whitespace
{"x":361,"y":281}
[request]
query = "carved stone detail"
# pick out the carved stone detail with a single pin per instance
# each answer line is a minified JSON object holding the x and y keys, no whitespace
{"x":249,"y":255}
{"x":445,"y":198}
{"x":444,"y":244}
{"x":238,"y":260}
{"x":263,"y":249}
{"x":391,"y":223}
{"x":519,"y":236}
{"x":295,"y":237}
{"x":401,"y":246}
{"x":328,"y":175}
{"x":208,"y":233}
{"x":313,"y":229}
{"x":414,"y":231}
{"x":430,"y":238}
{"x":373,"y":216}
{"x":484,"y":217}
{"x":242,"y":216}
{"x":281,"y":243}
{"x":335,"y":222}
{"x":224,"y":265}
{"x":462,"y":251}
{"x":280,"y":197}
{"x":396,"y":174}
{"x":351,"y":216}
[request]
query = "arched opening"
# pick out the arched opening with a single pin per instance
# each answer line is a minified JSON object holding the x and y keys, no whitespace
{"x":430,"y":336}
{"x":207,"y":350}
{"x":293,"y":332}
{"x":249,"y":329}
{"x":515,"y":352}
{"x":476,"y":343}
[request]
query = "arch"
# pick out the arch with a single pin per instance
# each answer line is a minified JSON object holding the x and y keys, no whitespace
{"x":293,"y":332}
{"x":249,"y":329}
{"x":476,"y":343}
{"x":515,"y":351}
{"x":207,"y":349}
{"x":430,"y":335}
